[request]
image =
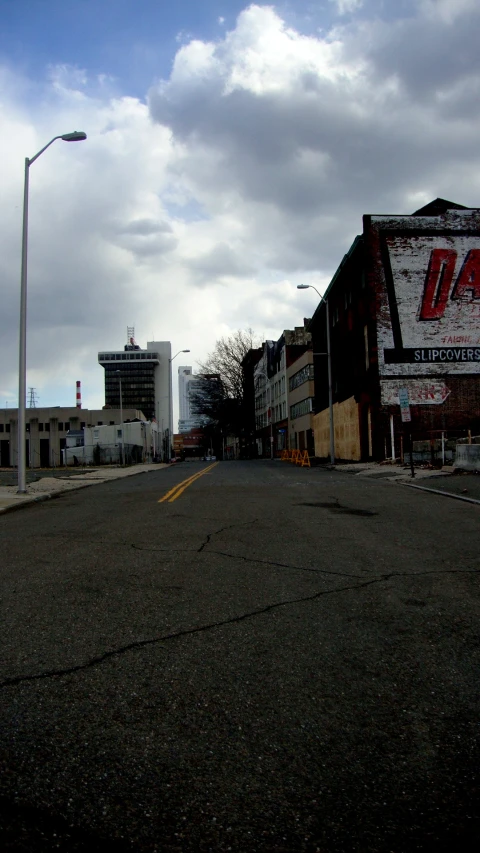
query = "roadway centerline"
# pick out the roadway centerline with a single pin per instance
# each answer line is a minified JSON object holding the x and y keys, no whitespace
{"x":177,"y":490}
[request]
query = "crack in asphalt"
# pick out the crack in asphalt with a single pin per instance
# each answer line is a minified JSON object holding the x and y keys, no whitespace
{"x":202,"y":546}
{"x":222,"y":529}
{"x":283,"y":565}
{"x":141,"y":644}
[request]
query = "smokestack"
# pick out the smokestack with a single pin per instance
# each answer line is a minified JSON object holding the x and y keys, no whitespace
{"x":79,"y":396}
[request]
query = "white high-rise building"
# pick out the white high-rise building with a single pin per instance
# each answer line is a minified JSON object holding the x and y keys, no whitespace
{"x":144,"y":377}
{"x":187,"y":419}
{"x":185,"y":376}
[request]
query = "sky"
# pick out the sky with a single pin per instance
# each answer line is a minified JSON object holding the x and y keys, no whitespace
{"x":232,"y":150}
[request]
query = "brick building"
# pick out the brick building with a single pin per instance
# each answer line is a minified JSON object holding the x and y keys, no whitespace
{"x":404,"y":309}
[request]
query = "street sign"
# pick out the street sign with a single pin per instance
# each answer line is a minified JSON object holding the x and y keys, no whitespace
{"x":404,"y":405}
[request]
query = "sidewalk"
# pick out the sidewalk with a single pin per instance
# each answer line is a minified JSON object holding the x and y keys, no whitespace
{"x":387,"y":471}
{"x":463,"y":485}
{"x":51,"y":487}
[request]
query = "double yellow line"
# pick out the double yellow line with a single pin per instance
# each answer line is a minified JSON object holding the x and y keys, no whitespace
{"x":177,"y":490}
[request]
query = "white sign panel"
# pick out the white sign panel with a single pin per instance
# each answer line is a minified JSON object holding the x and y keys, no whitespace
{"x":404,"y":405}
{"x":421,"y":392}
{"x":429,"y":305}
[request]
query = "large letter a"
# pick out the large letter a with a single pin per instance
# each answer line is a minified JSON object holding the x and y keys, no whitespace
{"x":468,"y":277}
{"x":441,"y":267}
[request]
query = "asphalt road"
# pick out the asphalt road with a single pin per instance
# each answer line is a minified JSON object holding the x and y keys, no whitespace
{"x":270,"y":659}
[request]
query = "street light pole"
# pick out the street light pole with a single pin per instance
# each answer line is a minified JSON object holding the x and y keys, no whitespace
{"x":76,"y":136}
{"x":329,"y":366}
{"x":118,"y":372}
{"x":170,"y":409}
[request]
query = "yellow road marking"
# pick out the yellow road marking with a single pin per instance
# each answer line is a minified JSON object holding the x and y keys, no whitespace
{"x":177,"y":490}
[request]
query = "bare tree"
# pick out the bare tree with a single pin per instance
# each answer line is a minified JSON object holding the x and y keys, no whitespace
{"x":218,"y":395}
{"x":226,"y":361}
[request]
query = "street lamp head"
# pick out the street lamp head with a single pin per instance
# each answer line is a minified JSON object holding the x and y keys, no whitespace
{"x":185,"y":350}
{"x":303,"y":286}
{"x":75,"y":136}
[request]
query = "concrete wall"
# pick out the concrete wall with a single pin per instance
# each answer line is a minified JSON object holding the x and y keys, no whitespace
{"x":347,"y":431}
{"x":467,"y":457}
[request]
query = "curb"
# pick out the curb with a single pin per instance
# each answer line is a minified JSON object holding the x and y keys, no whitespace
{"x":444,"y":494}
{"x":61,"y":493}
{"x":49,"y":496}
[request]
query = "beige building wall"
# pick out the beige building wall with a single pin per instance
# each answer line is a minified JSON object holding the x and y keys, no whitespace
{"x":43,"y":423}
{"x":347,"y":431}
{"x":299,"y":426}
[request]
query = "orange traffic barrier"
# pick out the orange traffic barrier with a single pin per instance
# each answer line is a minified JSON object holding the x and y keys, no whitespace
{"x":305,"y":460}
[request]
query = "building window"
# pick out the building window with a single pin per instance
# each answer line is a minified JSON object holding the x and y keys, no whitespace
{"x":119,"y":433}
{"x":82,"y":425}
{"x":1,"y":427}
{"x":7,"y":427}
{"x":96,"y":433}
{"x":100,"y":423}
{"x":60,"y":425}
{"x":47,"y":427}
{"x":302,"y":408}
{"x":303,"y":375}
{"x":40,"y":427}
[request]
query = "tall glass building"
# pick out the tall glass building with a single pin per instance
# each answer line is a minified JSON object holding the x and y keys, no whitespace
{"x":145,"y":379}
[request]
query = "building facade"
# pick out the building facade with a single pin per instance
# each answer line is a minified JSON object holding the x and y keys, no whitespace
{"x":188,"y":418}
{"x":404,"y":314}
{"x":145,"y":376}
{"x":271,"y":391}
{"x":185,"y":376}
{"x":47,"y":430}
{"x":301,"y":400}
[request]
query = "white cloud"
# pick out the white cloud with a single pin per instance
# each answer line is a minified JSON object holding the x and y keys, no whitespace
{"x":346,"y":7}
{"x":246,"y":173}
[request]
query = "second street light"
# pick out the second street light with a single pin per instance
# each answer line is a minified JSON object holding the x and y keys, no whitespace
{"x":329,"y":366}
{"x":75,"y":136}
{"x":170,"y":410}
